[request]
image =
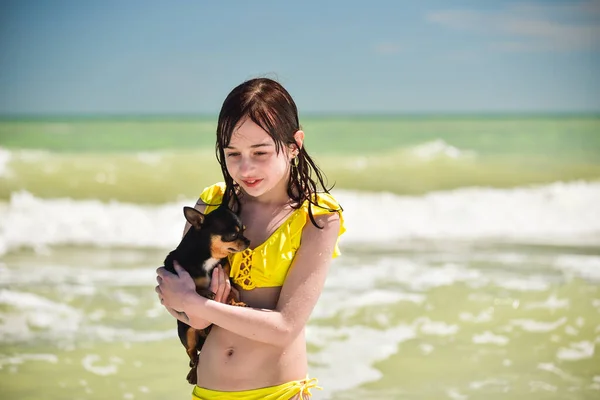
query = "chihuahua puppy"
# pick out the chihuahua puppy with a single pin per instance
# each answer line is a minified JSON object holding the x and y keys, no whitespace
{"x":205,"y":246}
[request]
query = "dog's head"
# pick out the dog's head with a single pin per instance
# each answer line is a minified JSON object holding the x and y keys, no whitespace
{"x":224,"y":227}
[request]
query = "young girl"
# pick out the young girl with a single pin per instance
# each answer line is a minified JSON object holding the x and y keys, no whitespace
{"x":293,"y":223}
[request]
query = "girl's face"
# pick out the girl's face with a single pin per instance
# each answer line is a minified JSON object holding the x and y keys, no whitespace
{"x":253,"y":162}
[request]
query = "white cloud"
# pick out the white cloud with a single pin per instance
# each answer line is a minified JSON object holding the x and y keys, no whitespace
{"x":531,"y":26}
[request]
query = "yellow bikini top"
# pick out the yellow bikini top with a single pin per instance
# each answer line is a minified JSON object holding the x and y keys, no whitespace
{"x":267,"y":265}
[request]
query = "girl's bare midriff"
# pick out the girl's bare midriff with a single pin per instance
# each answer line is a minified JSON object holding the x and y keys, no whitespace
{"x":229,"y":362}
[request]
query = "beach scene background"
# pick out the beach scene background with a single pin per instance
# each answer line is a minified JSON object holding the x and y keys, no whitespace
{"x":470,"y":268}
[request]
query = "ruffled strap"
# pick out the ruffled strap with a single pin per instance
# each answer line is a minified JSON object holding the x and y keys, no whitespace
{"x":213,"y":196}
{"x":327,"y":204}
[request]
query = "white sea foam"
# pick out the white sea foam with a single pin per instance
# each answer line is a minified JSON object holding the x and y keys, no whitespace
{"x":552,"y":303}
{"x":454,"y":394}
{"x":416,"y":277}
{"x":530,"y":283}
{"x":437,"y":328}
{"x":350,"y":302}
{"x":410,"y":279}
{"x":34,"y":314}
{"x":536,"y":386}
{"x":576,"y":351}
{"x":30,"y":316}
{"x":484,"y":316}
{"x":550,"y":367}
{"x":21,"y":358}
{"x":501,"y":384}
{"x":349,"y":353}
{"x":76,"y":276}
{"x":584,"y":266}
{"x":29,"y":221}
{"x":560,"y":212}
{"x":538,"y":326}
{"x":488,"y":337}
{"x":439,"y":148}
{"x":91,"y":363}
{"x":5,"y":157}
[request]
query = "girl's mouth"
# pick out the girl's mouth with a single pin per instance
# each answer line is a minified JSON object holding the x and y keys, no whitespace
{"x":251,"y":182}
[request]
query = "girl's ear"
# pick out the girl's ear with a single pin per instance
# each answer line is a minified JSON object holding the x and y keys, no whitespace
{"x":299,"y":139}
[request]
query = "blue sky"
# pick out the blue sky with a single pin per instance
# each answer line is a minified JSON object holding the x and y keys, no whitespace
{"x":181,"y":57}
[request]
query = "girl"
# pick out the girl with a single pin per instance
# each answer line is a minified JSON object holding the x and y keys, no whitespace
{"x":259,"y":351}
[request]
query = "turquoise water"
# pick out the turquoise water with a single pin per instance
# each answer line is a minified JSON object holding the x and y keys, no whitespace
{"x":470,"y":267}
{"x":158,"y":160}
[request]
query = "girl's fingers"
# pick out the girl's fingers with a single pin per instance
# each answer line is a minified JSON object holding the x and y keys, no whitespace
{"x":181,"y":272}
{"x":221,"y":277}
{"x":227,"y":286}
{"x":226,"y":290}
{"x":214,"y":283}
{"x":160,"y":298}
{"x":221,"y":286}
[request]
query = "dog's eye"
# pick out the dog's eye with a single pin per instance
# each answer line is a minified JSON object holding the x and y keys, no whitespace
{"x":230,"y":237}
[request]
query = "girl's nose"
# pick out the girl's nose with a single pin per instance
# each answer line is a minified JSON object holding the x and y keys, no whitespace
{"x":246,"y":165}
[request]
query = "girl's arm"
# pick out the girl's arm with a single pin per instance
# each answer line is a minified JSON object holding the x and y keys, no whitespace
{"x":200,"y":323}
{"x":299,"y":294}
{"x":219,"y":285}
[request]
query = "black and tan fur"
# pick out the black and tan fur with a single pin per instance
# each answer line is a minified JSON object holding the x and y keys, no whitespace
{"x":206,"y":245}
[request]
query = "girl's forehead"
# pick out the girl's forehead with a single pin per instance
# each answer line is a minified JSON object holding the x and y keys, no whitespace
{"x":249,"y":133}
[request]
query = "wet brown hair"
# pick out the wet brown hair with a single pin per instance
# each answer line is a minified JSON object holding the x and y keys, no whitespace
{"x":270,"y":106}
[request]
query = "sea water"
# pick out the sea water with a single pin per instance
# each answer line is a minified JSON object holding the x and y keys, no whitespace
{"x":470,"y":269}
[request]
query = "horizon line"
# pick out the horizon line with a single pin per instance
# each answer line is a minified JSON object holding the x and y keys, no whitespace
{"x":429,"y":114}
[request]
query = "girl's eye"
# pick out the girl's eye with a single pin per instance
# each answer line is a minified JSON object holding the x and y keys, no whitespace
{"x":233,"y":154}
{"x":260,"y":153}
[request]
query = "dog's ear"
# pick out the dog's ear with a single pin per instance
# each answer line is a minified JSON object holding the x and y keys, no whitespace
{"x":193,"y":216}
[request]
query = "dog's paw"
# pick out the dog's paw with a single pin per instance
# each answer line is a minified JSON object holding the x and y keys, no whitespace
{"x":192,"y":376}
{"x":233,"y":302}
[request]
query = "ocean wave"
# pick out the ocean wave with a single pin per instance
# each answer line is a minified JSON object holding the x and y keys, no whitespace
{"x":439,"y":148}
{"x":555,"y":213}
{"x":32,"y":222}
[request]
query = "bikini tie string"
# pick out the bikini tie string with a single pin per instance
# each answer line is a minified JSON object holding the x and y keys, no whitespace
{"x":308,"y":384}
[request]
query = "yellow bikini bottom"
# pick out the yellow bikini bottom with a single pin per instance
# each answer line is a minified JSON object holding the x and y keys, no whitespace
{"x":281,"y":392}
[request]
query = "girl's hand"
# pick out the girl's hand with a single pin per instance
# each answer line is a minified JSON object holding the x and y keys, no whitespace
{"x":184,"y":318}
{"x":220,"y":285}
{"x":173,"y":289}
